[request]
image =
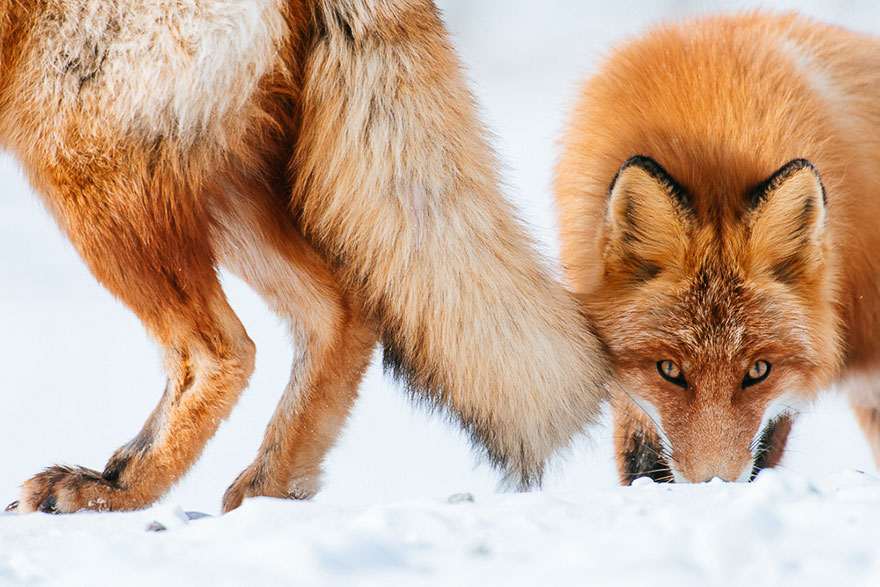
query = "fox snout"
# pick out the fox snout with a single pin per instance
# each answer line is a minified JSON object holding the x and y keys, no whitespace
{"x":696,"y":445}
{"x":710,"y":443}
{"x":737,"y":461}
{"x":727,"y":465}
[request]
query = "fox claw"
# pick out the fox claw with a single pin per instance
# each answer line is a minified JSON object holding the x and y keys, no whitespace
{"x":49,"y":506}
{"x":12,"y":507}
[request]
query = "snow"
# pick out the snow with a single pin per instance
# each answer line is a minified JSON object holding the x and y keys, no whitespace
{"x":771,"y":532}
{"x":79,"y":376}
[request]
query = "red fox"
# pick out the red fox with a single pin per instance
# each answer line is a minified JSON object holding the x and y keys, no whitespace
{"x":326,"y":151}
{"x":719,"y":194}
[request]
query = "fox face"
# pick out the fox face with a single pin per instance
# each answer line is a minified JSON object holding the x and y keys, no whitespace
{"x":718,"y":323}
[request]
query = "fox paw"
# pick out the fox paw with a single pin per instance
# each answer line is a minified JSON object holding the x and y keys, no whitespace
{"x":248,"y":484}
{"x":253,"y":484}
{"x":64,"y":490}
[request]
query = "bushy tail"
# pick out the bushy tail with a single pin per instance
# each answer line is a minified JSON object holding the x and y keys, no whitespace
{"x":396,"y":181}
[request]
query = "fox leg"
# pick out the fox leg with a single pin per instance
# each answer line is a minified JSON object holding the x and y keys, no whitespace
{"x":770,"y":445}
{"x":144,"y":240}
{"x":333,"y":345}
{"x":638,"y":448}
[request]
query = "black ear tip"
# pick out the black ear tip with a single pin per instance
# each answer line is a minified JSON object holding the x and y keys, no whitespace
{"x":794,"y":166}
{"x":786,"y":171}
{"x":800,"y":163}
{"x":759,"y":193}
{"x":644,"y":162}
{"x":657,"y":171}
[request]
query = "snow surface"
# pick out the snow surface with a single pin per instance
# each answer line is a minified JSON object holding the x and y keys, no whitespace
{"x":768,"y":533}
{"x":78,"y":376}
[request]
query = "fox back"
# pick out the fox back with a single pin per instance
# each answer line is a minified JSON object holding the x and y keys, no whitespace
{"x":717,"y":192}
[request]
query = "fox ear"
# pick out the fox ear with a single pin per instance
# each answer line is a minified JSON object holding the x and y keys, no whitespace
{"x":647,"y":221}
{"x":787,"y":222}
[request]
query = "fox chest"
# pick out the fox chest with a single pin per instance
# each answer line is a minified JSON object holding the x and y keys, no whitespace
{"x":155,"y":68}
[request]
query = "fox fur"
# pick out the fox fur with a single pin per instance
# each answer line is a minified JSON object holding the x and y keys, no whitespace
{"x":326,"y":151}
{"x":718,"y":194}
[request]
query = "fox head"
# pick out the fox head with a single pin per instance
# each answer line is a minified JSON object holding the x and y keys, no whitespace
{"x":718,"y":327}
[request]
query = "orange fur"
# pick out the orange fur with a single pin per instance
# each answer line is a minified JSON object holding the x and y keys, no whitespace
{"x":696,"y":256}
{"x":328,"y":152}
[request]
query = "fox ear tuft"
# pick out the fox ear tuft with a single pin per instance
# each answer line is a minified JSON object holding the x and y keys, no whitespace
{"x":647,"y":222}
{"x":787,"y":221}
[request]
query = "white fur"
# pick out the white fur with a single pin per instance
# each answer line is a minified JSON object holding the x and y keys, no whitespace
{"x":158,"y":68}
{"x":785,"y":404}
{"x":654,"y":415}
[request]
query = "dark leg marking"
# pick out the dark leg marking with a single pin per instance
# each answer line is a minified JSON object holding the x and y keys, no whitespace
{"x":644,"y":458}
{"x":771,"y":445}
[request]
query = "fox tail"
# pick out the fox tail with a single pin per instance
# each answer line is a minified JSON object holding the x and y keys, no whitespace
{"x":396,"y":182}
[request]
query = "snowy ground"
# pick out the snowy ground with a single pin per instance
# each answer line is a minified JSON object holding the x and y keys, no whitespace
{"x":78,"y":376}
{"x":770,"y":533}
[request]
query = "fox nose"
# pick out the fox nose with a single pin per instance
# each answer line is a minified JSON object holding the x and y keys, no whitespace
{"x":726,"y":471}
{"x":726,"y":466}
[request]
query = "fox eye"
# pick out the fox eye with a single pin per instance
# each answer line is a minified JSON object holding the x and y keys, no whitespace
{"x":757,"y":373}
{"x":671,"y":373}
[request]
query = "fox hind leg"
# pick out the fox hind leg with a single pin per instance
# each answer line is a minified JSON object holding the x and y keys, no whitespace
{"x":333,"y":345}
{"x":143,"y":237}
